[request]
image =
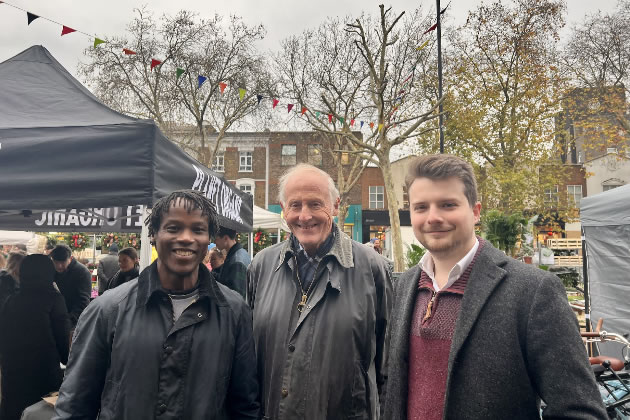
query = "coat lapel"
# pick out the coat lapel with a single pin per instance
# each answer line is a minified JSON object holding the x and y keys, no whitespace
{"x":485,"y":276}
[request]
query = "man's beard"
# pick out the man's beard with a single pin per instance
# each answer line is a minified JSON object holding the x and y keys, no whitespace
{"x":442,"y":247}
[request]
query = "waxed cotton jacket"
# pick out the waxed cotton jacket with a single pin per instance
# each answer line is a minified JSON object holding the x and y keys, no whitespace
{"x":129,"y":361}
{"x":329,"y":361}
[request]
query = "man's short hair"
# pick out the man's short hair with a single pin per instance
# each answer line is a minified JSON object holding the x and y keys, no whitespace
{"x":226,"y":232}
{"x":439,"y":167}
{"x":61,"y":252}
{"x":130,"y":252}
{"x":191,"y":201}
{"x":332,"y":188}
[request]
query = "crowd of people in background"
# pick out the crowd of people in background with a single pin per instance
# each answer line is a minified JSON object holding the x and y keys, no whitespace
{"x":312,"y":328}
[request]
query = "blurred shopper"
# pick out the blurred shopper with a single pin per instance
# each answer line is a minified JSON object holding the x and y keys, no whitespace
{"x":107,"y":268}
{"x":74,"y":281}
{"x":10,"y":277}
{"x":128,"y":264}
{"x":234,"y":271}
{"x":217,"y":260}
{"x":34,"y":338}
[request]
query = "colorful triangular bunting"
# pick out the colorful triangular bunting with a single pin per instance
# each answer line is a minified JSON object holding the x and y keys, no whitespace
{"x":179,"y":72}
{"x":259,"y":97}
{"x":289,"y":107}
{"x":362,"y":122}
{"x":341,"y":120}
{"x":67,"y":30}
{"x":329,"y":118}
{"x":98,"y":41}
{"x":200,"y":80}
{"x":352,"y":122}
{"x":275,"y":102}
{"x":380,"y":127}
{"x":241,"y":93}
{"x":372,"y":126}
{"x":31,"y":17}
{"x":422,"y":46}
{"x":128,"y":51}
{"x":303,"y":111}
{"x":222,"y":86}
{"x":432,"y":28}
{"x":154,"y":63}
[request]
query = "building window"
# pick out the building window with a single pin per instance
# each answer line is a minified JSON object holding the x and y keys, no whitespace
{"x":551,"y":196}
{"x":246,"y":185}
{"x":289,"y":154}
{"x":219,"y":162}
{"x":579,"y":157}
{"x":610,"y":187}
{"x":405,"y":198}
{"x":315,"y":154}
{"x":347,"y":228}
{"x":611,"y":150}
{"x":245,"y":162}
{"x":377,"y":197}
{"x":345,"y":158}
{"x":575,"y":195}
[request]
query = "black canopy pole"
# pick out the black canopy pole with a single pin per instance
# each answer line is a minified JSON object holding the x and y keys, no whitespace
{"x":439,"y":46}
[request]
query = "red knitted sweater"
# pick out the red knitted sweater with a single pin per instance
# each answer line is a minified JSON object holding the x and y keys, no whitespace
{"x":430,"y":338}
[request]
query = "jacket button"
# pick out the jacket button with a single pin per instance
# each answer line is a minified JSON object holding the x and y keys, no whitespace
{"x":291,"y":348}
{"x":161,"y":408}
{"x":168,"y":350}
{"x":285,"y":392}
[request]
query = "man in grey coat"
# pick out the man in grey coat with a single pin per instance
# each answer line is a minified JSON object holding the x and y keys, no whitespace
{"x":476,"y":334}
{"x":321,"y":305}
{"x":107,"y":267}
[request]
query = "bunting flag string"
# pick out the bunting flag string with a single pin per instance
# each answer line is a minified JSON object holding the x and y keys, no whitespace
{"x":179,"y":71}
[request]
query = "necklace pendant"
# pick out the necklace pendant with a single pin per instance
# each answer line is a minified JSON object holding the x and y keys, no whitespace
{"x":302,"y":303}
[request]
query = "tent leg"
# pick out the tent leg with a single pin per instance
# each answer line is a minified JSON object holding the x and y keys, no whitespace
{"x":145,"y":244}
{"x":250,"y":244}
{"x":278,"y":235}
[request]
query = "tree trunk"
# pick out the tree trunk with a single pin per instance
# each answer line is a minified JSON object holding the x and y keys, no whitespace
{"x":394,"y":219}
{"x":341,"y":215}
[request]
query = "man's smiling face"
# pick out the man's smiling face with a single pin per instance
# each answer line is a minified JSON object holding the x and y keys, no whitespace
{"x":308,"y":208}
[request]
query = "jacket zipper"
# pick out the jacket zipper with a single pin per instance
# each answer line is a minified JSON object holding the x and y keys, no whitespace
{"x":427,"y":314}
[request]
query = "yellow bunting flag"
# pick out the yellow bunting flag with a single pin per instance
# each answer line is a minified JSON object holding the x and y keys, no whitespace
{"x":380,"y":127}
{"x":423,"y":45}
{"x":241,"y":93}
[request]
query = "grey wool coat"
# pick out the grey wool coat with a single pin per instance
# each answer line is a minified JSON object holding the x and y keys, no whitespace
{"x":516,"y":341}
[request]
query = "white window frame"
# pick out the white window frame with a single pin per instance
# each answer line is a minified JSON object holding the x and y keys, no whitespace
{"x":282,"y":155}
{"x":374,"y":192}
{"x":246,"y":160}
{"x":551,"y":196}
{"x":219,"y":162}
{"x":574,"y":198}
{"x":246,"y":182}
{"x":319,"y":148}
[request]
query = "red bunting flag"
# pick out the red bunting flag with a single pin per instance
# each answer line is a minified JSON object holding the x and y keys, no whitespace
{"x":222,"y":86}
{"x":329,"y":118}
{"x":154,"y":63}
{"x":372,"y":125}
{"x":432,"y":28}
{"x":128,"y":52}
{"x":352,"y":122}
{"x":275,"y":102}
{"x":65,"y":30}
{"x":303,"y":111}
{"x":289,"y":107}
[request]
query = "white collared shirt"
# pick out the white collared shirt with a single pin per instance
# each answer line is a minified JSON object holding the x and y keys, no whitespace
{"x":427,"y":265}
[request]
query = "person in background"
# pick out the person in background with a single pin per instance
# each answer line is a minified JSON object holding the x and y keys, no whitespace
{"x":217,"y":260}
{"x":128,"y":263}
{"x":34,"y":338}
{"x":74,"y":281}
{"x":234,"y":271}
{"x":3,"y":261}
{"x":19,"y":248}
{"x":476,"y":334}
{"x":10,"y":277}
{"x":107,"y":268}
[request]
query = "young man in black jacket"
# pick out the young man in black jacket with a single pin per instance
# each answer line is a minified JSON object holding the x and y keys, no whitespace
{"x":171,"y":344}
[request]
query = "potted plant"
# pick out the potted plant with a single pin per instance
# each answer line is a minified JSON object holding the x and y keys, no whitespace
{"x":526,"y":252}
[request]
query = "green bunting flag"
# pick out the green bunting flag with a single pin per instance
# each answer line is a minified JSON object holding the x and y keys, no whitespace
{"x":98,"y":41}
{"x":241,"y":93}
{"x":179,"y":72}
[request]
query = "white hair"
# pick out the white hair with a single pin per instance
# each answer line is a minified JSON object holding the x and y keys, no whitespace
{"x":332,"y":188}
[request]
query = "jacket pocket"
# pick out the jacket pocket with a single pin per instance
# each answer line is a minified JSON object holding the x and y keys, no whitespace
{"x":109,"y":400}
{"x":360,"y":404}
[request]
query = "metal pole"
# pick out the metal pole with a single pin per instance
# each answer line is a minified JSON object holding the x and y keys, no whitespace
{"x":439,"y":46}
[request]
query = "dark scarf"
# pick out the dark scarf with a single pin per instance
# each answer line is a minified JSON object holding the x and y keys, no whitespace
{"x":307,"y":265}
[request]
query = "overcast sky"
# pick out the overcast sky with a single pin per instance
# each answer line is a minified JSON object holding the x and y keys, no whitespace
{"x":280,"y":17}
